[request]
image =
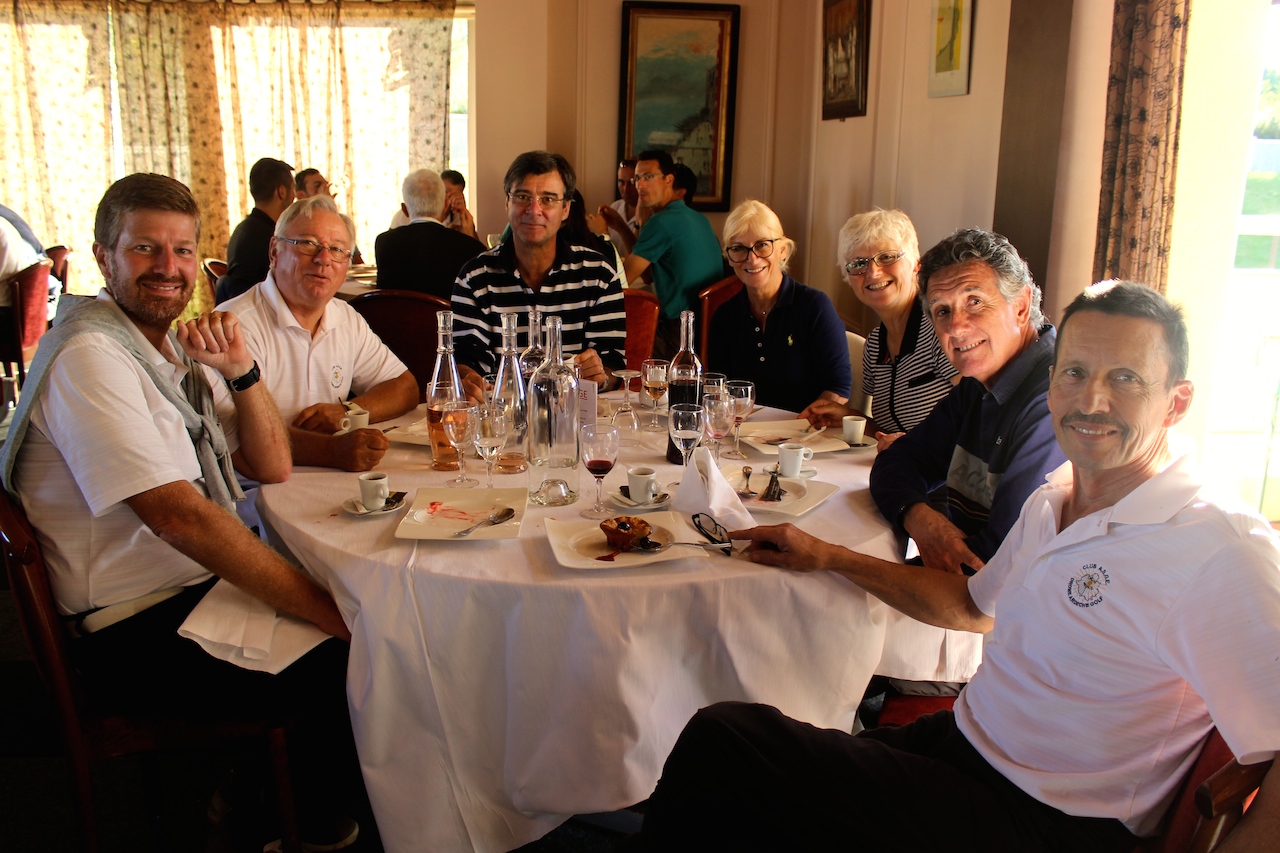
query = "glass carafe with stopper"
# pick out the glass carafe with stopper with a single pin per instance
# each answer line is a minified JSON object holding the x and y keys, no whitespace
{"x":684,"y":378}
{"x":552,"y":446}
{"x":531,"y":359}
{"x":509,"y":391}
{"x":445,"y":388}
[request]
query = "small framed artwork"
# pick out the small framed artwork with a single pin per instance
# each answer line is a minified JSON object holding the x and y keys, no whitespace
{"x":846,"y":55}
{"x":679,"y":85}
{"x":950,"y":36}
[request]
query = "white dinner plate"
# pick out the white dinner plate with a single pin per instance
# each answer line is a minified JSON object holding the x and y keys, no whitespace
{"x":414,"y":433}
{"x":354,"y":507}
{"x":766,"y":435}
{"x":440,"y":513}
{"x":618,"y":499}
{"x":800,"y":497}
{"x":578,"y":544}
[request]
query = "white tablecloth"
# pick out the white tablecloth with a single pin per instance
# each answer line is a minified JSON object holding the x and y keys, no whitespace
{"x":494,"y":693}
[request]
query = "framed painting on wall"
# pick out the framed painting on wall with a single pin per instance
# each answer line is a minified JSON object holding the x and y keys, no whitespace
{"x":678,"y":87}
{"x":950,"y":34}
{"x":846,"y":55}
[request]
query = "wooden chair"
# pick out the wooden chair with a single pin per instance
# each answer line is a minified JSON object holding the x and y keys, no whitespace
{"x":709,"y":299}
{"x":900,"y":709}
{"x":213,"y":270}
{"x":28,"y":314}
{"x":406,"y":322}
{"x":58,"y":255}
{"x":643,"y":310}
{"x":91,"y":737}
{"x":858,"y":400}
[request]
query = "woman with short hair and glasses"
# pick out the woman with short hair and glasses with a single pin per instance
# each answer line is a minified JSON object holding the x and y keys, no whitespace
{"x":781,"y":335}
{"x":904,"y":368}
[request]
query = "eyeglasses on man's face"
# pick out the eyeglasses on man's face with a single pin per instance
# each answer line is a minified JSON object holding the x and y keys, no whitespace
{"x":737,"y":253}
{"x":523,"y":198}
{"x":311,"y":248}
{"x":859,"y":266}
{"x":646,"y":176}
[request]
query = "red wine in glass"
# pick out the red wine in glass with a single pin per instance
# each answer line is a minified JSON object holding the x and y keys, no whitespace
{"x":599,"y":468}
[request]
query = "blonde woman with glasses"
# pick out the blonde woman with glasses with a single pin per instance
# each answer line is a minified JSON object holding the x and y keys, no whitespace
{"x":781,"y":335}
{"x":904,"y":368}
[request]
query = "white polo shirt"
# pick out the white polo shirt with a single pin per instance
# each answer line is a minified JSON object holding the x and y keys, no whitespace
{"x":1121,"y":641}
{"x":16,"y":255}
{"x":300,"y":370}
{"x":101,"y":433}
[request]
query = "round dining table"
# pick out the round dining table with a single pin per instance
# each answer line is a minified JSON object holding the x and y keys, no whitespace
{"x":495,"y":692}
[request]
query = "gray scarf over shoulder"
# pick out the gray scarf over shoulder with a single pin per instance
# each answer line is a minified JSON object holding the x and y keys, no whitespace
{"x":78,"y":315}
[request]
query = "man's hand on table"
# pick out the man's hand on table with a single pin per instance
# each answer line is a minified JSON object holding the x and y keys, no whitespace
{"x":321,"y":417}
{"x":473,"y":384}
{"x":826,"y":413}
{"x":884,"y":439}
{"x":359,"y":449}
{"x":213,"y":339}
{"x":941,"y":543}
{"x":591,"y":367}
{"x":788,"y":547}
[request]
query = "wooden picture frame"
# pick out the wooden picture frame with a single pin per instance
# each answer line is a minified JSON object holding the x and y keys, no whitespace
{"x":950,"y":40}
{"x":846,"y":57}
{"x":679,"y":84}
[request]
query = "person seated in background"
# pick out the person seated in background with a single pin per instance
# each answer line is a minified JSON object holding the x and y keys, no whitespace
{"x":423,"y":255}
{"x":990,"y":440}
{"x":310,"y":183}
{"x":1127,"y":609}
{"x":904,"y":370}
{"x":317,"y":354}
{"x":781,"y":335}
{"x":118,"y":456}
{"x":271,"y":185}
{"x":539,"y":265}
{"x":625,"y":205}
{"x":456,"y":215}
{"x":676,"y":241}
{"x":684,"y":184}
{"x":17,"y":255}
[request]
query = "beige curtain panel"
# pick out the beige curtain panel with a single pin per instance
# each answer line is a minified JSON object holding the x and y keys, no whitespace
{"x":1140,"y":151}
{"x":91,"y":90}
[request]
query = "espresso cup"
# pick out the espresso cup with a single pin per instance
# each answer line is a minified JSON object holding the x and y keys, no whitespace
{"x":642,"y":482}
{"x":357,"y":419}
{"x":374,"y":490}
{"x":791,"y":457}
{"x":854,"y":427}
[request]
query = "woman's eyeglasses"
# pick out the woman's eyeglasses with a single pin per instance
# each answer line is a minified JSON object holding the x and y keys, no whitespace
{"x":859,"y":266}
{"x":737,"y":253}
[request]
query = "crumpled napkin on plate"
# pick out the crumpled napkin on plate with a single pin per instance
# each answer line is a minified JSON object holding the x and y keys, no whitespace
{"x":704,"y":489}
{"x":232,"y":625}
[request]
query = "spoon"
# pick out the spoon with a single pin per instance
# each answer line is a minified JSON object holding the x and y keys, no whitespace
{"x":811,"y":435}
{"x":498,"y":516}
{"x":746,"y":491}
{"x":653,"y":546}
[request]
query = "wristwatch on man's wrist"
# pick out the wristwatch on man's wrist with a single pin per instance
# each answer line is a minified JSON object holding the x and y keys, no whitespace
{"x":247,"y":381}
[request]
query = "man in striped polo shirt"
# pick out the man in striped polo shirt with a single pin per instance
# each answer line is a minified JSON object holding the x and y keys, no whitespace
{"x":538,"y":266}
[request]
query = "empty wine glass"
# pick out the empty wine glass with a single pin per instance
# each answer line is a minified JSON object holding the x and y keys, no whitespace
{"x":744,"y":397}
{"x":653,"y":379}
{"x":459,"y":430}
{"x":685,"y":424}
{"x":599,"y":453}
{"x":713,"y":383}
{"x":720,"y":416}
{"x":493,"y":425}
{"x":625,"y":418}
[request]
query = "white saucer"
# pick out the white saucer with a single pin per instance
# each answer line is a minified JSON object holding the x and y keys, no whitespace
{"x":862,"y":447}
{"x":354,"y":507}
{"x":805,"y":473}
{"x":615,"y":495}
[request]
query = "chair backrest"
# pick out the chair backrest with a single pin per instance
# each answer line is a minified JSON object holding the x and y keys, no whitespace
{"x":30,"y":301}
{"x":710,"y":298}
{"x":857,"y":399}
{"x":213,"y":270}
{"x":643,"y":310}
{"x":406,"y":322}
{"x":61,"y":266}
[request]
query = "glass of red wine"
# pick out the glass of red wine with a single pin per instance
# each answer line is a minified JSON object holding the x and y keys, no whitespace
{"x":599,"y":452}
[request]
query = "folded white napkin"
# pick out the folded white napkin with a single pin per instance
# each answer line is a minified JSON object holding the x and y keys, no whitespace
{"x":704,"y":489}
{"x":232,"y":625}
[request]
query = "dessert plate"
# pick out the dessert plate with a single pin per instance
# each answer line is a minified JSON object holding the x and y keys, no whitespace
{"x":581,"y":544}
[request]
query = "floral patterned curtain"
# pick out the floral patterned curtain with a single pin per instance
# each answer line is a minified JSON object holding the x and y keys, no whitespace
{"x":1140,"y":151}
{"x":97,"y":89}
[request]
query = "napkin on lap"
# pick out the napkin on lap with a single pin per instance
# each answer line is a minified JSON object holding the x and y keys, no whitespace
{"x":704,"y":489}
{"x":232,"y":625}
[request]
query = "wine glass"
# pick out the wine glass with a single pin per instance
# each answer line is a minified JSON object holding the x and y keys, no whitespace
{"x":713,"y":383}
{"x":685,"y":424}
{"x":599,"y":452}
{"x":653,"y":379}
{"x":459,"y":430}
{"x":625,"y":418}
{"x":744,"y":397}
{"x":493,"y":425}
{"x":720,"y":411}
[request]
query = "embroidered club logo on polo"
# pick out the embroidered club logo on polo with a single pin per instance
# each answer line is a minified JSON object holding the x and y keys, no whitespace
{"x":1085,"y":587}
{"x":335,"y":376}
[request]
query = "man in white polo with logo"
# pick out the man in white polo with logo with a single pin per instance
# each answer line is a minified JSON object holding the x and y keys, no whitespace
{"x":1132,"y":612}
{"x":318,"y":356}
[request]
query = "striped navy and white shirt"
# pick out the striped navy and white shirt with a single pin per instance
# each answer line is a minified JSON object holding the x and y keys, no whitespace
{"x":905,"y":390}
{"x":583,"y":289}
